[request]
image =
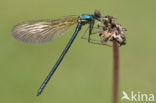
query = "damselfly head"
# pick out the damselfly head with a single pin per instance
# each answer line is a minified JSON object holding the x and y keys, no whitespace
{"x":97,"y":14}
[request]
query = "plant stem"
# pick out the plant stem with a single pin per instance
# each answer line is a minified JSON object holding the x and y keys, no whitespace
{"x":115,"y":72}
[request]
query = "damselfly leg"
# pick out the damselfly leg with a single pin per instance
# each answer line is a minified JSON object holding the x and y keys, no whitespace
{"x":93,"y":35}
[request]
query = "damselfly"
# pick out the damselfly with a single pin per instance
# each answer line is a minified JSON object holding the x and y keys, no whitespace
{"x":46,"y":30}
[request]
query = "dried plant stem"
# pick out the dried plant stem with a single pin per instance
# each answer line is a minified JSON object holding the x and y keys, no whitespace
{"x":115,"y":72}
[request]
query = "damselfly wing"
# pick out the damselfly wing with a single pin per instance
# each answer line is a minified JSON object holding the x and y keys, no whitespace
{"x":43,"y":30}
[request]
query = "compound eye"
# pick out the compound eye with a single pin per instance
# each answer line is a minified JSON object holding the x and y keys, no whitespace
{"x":97,"y":14}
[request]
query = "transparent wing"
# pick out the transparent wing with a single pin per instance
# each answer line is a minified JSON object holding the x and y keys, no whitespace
{"x":43,"y":31}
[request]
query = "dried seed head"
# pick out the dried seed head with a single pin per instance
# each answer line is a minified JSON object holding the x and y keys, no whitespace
{"x":105,"y":35}
{"x":112,"y":31}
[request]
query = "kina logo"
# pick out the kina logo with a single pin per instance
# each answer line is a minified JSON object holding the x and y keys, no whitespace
{"x":137,"y":96}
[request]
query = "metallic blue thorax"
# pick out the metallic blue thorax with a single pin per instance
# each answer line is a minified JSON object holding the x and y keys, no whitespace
{"x":85,"y":18}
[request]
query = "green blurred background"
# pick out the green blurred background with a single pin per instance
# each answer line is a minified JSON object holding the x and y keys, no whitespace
{"x":85,"y":75}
